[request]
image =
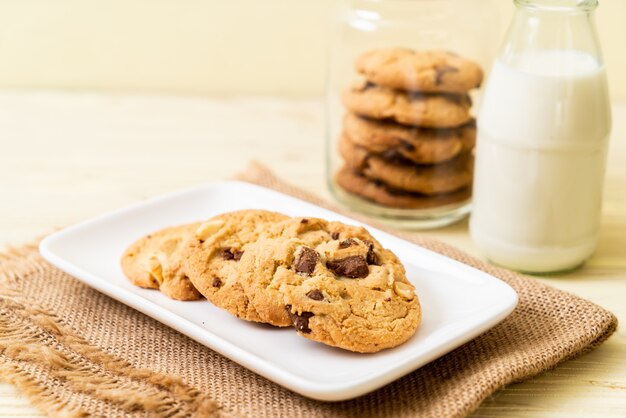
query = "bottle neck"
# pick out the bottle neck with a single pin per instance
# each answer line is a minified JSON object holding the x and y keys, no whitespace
{"x":552,"y":25}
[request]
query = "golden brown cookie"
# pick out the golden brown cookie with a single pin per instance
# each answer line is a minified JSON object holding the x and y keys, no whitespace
{"x":154,"y":262}
{"x":425,"y":71}
{"x":420,"y":145}
{"x":211,"y":258}
{"x":376,"y":191}
{"x":333,"y":282}
{"x":426,"y":110}
{"x":430,"y":179}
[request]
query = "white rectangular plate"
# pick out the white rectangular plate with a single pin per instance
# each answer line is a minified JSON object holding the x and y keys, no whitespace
{"x":458,"y":302}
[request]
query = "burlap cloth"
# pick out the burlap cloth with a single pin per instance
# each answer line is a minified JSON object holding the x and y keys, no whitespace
{"x":76,"y":352}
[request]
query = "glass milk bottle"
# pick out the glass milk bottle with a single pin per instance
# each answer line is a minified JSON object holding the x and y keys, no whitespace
{"x":543,"y":129}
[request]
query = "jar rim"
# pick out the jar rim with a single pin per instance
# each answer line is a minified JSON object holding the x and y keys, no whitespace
{"x":558,"y":5}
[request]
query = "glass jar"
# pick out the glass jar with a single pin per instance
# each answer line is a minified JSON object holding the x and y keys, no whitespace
{"x":543,"y":131}
{"x":403,"y":76}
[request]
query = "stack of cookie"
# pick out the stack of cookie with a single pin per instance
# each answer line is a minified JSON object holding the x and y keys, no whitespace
{"x":408,"y":136}
{"x":334,"y":283}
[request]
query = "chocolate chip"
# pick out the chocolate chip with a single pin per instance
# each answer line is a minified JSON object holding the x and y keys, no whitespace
{"x":407,"y":145}
{"x":347,"y":243}
{"x":306,"y":261}
{"x":315,"y":294}
{"x":354,"y":266}
{"x":371,"y":256}
{"x":217,"y":282}
{"x":335,"y":235}
{"x":226,"y":254}
{"x":300,"y":322}
{"x":304,"y":221}
{"x":391,"y":154}
{"x":394,"y":156}
{"x":439,"y":73}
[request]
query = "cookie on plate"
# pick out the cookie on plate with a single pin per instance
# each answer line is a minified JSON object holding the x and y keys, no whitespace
{"x":211,"y":259}
{"x":420,"y":145}
{"x":421,"y":109}
{"x":333,"y":282}
{"x":154,"y":262}
{"x":376,"y":191}
{"x":425,"y":71}
{"x":439,"y":178}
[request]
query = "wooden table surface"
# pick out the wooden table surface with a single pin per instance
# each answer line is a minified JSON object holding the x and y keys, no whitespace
{"x":66,"y":157}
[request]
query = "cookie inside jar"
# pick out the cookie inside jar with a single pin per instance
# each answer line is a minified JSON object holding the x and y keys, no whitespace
{"x":407,"y":135}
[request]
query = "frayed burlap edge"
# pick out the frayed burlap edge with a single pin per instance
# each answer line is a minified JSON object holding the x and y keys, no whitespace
{"x":37,"y":350}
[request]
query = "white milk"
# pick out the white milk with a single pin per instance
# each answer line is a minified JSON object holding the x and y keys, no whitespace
{"x":543,"y":131}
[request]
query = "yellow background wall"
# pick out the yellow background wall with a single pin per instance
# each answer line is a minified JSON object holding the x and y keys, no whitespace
{"x":199,"y":46}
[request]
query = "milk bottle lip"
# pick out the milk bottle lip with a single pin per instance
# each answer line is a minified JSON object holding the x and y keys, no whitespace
{"x":558,"y":5}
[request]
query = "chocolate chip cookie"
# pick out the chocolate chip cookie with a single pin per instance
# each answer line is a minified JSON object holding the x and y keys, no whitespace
{"x":376,"y":191}
{"x":212,"y":258}
{"x":154,"y":262}
{"x":425,"y":71}
{"x":419,"y":145}
{"x":421,"y":109}
{"x":333,"y":282}
{"x":425,"y":179}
